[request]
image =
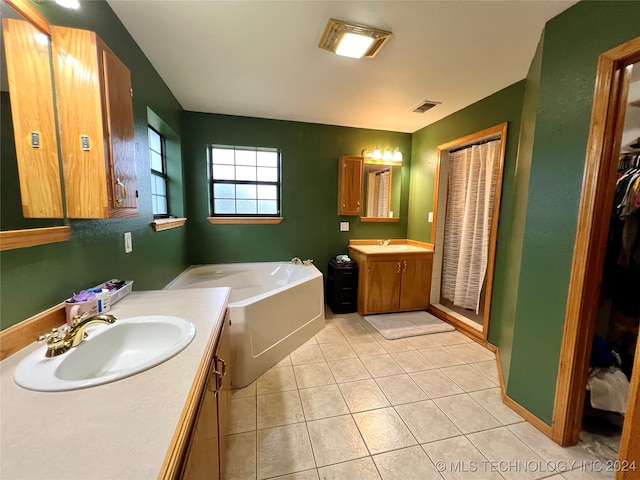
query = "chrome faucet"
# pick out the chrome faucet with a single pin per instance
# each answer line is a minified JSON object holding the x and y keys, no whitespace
{"x":61,"y":340}
{"x":296,"y":261}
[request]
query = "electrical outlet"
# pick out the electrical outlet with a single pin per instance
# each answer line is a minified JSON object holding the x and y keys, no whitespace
{"x":430,"y":217}
{"x":344,"y":226}
{"x":128,"y":244}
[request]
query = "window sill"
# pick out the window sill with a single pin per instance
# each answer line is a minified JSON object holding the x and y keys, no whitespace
{"x":160,"y":224}
{"x":11,"y":239}
{"x":244,"y":220}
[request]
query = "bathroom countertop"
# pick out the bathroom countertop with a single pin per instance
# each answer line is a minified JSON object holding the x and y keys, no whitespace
{"x":120,"y":430}
{"x":394,"y":249}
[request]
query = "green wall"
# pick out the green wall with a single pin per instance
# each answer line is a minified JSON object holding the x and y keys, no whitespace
{"x":33,"y":279}
{"x":310,"y":154}
{"x":572,"y":43}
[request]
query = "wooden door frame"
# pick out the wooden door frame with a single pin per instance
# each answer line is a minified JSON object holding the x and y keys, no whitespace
{"x":497,"y":131}
{"x":598,"y":188}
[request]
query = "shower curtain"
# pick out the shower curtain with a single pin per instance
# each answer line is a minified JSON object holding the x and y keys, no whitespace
{"x":473,"y":174}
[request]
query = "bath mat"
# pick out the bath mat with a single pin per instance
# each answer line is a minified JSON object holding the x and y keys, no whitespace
{"x":407,"y":324}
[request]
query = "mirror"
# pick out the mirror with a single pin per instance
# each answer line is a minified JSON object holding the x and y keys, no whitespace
{"x":382,"y":190}
{"x":30,"y":170}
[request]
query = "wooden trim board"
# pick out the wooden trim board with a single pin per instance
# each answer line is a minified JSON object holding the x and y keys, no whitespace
{"x":31,"y":237}
{"x":244,"y":220}
{"x":160,"y":224}
{"x":24,"y":333}
{"x":33,"y":16}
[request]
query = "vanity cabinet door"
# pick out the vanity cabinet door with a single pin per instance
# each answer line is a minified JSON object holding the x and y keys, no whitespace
{"x":223,"y":365}
{"x":383,"y":287}
{"x":350,"y":182}
{"x":95,"y":110}
{"x":416,"y":284}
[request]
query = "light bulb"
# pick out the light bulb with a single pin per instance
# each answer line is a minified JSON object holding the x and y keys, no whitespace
{"x":397,"y":155}
{"x":387,"y":155}
{"x":377,"y":154}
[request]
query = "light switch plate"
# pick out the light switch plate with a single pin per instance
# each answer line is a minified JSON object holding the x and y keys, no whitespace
{"x":344,"y":226}
{"x":430,"y":217}
{"x":128,"y":244}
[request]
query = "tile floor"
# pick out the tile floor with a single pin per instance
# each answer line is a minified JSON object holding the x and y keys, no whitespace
{"x":351,"y":405}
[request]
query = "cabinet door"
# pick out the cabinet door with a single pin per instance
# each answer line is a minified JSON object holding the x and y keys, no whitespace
{"x":119,"y":122}
{"x":350,"y":186}
{"x":223,"y":366}
{"x":383,"y":287}
{"x":416,"y":284}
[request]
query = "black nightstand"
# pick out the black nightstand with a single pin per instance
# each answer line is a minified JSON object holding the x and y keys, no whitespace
{"x":342,"y":287}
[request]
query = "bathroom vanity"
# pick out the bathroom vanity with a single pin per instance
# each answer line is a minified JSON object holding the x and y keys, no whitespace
{"x":392,"y":278}
{"x":167,"y":422}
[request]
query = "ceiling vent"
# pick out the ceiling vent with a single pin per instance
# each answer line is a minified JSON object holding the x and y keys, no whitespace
{"x":369,"y":39}
{"x":424,"y":106}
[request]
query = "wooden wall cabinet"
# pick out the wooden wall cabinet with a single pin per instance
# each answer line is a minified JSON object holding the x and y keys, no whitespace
{"x":393,"y":282}
{"x":95,"y":112}
{"x":205,"y":457}
{"x":31,"y":94}
{"x":350,"y":182}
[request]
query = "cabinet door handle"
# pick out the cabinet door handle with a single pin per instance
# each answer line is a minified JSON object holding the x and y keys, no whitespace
{"x":398,"y":268}
{"x":224,"y":367}
{"x":123,"y":191}
{"x":344,"y":205}
{"x":404,"y":267}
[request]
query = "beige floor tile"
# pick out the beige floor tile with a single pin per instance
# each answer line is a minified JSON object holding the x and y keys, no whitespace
{"x":335,"y":440}
{"x":276,"y":380}
{"x":248,"y":391}
{"x":427,"y":422}
{"x":362,"y":469}
{"x":241,"y":457}
{"x":348,"y":370}
{"x":489,"y":369}
{"x":285,"y":362}
{"x":547,"y":448}
{"x":283,"y":450}
{"x":363,"y":395}
{"x":383,"y":430}
{"x":400,"y":389}
{"x":468,"y":378}
{"x":491,"y":400}
{"x":306,"y":475}
{"x":330,"y":335}
{"x":466,"y":413}
{"x":412,"y":361}
{"x":471,"y":352}
{"x":311,"y":341}
{"x":367,"y":348}
{"x":452,"y":338}
{"x":281,"y":408}
{"x":322,"y":402}
{"x":424,"y":341}
{"x":589,"y":473}
{"x":306,"y":354}
{"x":337,"y":351}
{"x":507,"y":452}
{"x":406,"y":464}
{"x":243,"y":415}
{"x":435,"y":383}
{"x":457,"y":459}
{"x":441,"y":357}
{"x":313,"y":375}
{"x":382,"y":365}
{"x":400,"y":345}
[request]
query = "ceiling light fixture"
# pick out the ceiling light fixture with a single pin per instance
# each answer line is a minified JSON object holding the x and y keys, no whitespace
{"x":353,"y":40}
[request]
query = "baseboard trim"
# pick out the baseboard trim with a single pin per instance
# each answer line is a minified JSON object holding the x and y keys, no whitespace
{"x":22,"y":334}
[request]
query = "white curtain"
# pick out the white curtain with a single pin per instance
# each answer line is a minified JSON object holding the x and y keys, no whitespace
{"x":378,"y":193}
{"x":473,"y":174}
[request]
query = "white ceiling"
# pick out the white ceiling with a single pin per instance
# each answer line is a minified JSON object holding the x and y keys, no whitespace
{"x":260,"y":58}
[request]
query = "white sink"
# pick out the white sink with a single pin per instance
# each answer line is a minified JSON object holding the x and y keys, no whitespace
{"x":109,"y":353}
{"x":393,"y":248}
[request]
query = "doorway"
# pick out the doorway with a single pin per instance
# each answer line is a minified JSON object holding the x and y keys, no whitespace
{"x":598,"y":190}
{"x":464,"y":230}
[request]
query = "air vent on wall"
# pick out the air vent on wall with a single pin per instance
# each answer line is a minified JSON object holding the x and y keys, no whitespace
{"x":424,"y":106}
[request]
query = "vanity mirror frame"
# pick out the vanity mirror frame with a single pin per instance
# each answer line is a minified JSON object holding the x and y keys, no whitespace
{"x":12,"y":239}
{"x":365,"y":186}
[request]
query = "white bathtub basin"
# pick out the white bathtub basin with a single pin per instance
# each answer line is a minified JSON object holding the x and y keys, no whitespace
{"x":109,"y":353}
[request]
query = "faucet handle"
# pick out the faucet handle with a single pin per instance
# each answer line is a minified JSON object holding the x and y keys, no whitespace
{"x":53,"y":336}
{"x":308,"y":262}
{"x":78,"y":318}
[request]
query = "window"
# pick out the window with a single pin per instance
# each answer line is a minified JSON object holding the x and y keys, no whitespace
{"x":245,"y":181}
{"x":158,"y":156}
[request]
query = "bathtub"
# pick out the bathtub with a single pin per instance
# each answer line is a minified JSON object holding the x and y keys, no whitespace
{"x":275,"y":307}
